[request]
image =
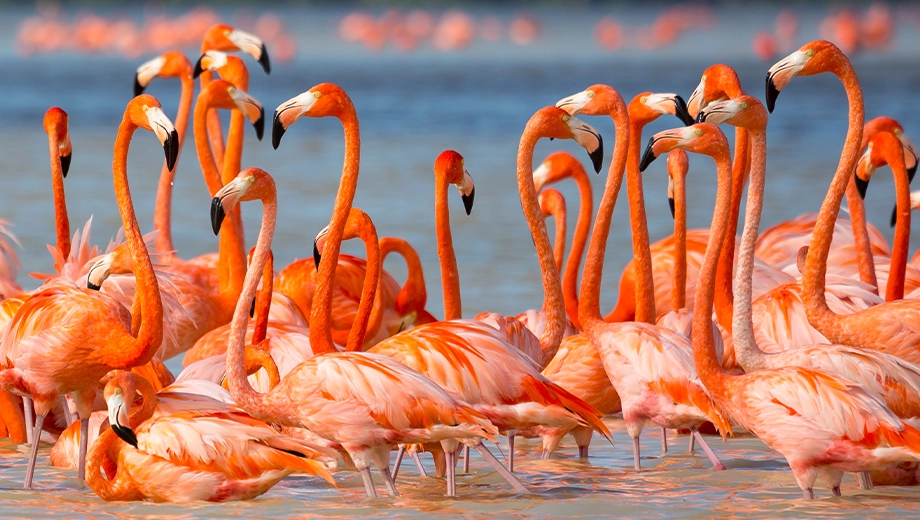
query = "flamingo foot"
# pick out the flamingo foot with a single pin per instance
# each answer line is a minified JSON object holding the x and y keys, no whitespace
{"x":466,"y":459}
{"x":664,"y":441}
{"x":636,"y":464}
{"x":30,"y":420}
{"x":451,"y":473}
{"x":716,"y":463}
{"x":808,"y":494}
{"x":84,"y":440}
{"x":418,"y":463}
{"x":864,"y":479}
{"x":36,"y":435}
{"x":368,"y":483}
{"x":390,"y":483}
{"x":399,"y":458}
{"x":501,"y":469}
{"x":583,"y":452}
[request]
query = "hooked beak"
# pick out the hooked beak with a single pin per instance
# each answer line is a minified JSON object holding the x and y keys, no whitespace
{"x":166,"y":133}
{"x":138,"y":88}
{"x":681,"y":111}
{"x":589,"y":139}
{"x":118,"y":418}
{"x":467,"y":192}
{"x":671,"y":205}
{"x":671,"y":196}
{"x":575,"y":103}
{"x":210,"y":60}
{"x":695,"y":101}
{"x":894,"y":215}
{"x":145,"y":74}
{"x":539,"y":176}
{"x":317,"y":256}
{"x":98,"y":273}
{"x":253,"y":46}
{"x":911,"y":157}
{"x":658,"y":144}
{"x":250,"y":108}
{"x":225,"y":199}
{"x":864,"y":171}
{"x":65,"y":163}
{"x":288,"y":113}
{"x":781,"y":73}
{"x":716,"y":113}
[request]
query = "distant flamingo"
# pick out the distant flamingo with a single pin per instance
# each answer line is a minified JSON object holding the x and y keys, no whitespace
{"x":649,"y":366}
{"x":52,"y":347}
{"x":224,"y":454}
{"x":890,"y":327}
{"x":822,"y":424}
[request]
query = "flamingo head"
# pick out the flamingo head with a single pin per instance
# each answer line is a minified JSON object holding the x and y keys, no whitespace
{"x":812,"y":58}
{"x":223,"y":94}
{"x":888,"y":124}
{"x":230,"y":68}
{"x":742,"y":111}
{"x":556,"y":167}
{"x":883,"y":148}
{"x":719,"y":82}
{"x":556,"y":123}
{"x":450,"y":166}
{"x":596,"y":100}
{"x":55,"y":124}
{"x":225,"y":38}
{"x":172,"y":64}
{"x":701,"y":138}
{"x":357,"y":225}
{"x":249,"y":184}
{"x":551,"y":202}
{"x":647,"y":107}
{"x":146,"y":112}
{"x":118,"y":261}
{"x":323,"y":100}
{"x":119,"y":395}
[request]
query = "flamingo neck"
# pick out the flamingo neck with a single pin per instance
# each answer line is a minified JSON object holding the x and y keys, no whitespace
{"x":579,"y":242}
{"x":370,"y":308}
{"x":749,"y":355}
{"x":589,"y":308}
{"x":898,"y":269}
{"x":240,"y":389}
{"x":704,"y":352}
{"x":813,"y":278}
{"x":149,"y":401}
{"x":413,"y":293}
{"x":553,"y":304}
{"x":560,"y":224}
{"x":150,"y":308}
{"x":264,"y":302}
{"x":645,"y":289}
{"x":231,"y":165}
{"x":162,"y":215}
{"x":97,"y":458}
{"x":864,"y":259}
{"x":679,"y":288}
{"x":450,"y":274}
{"x":61,"y":220}
{"x":321,"y":314}
{"x":215,"y":132}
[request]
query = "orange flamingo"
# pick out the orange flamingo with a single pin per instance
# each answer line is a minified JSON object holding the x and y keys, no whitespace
{"x":363,"y":402}
{"x":552,"y":204}
{"x":412,"y":297}
{"x":224,"y":454}
{"x":822,"y":424}
{"x":64,"y":339}
{"x":649,"y":366}
{"x":862,"y":329}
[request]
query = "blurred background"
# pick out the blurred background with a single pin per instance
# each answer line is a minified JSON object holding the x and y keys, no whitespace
{"x":426,"y":77}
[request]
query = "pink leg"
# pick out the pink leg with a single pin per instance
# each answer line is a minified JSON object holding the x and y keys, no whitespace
{"x":84,"y":440}
{"x":466,"y":459}
{"x":808,"y":494}
{"x":368,"y":483}
{"x":544,"y":455}
{"x":30,"y":420}
{"x":36,"y":435}
{"x":865,"y":480}
{"x":664,"y":441}
{"x":451,"y":473}
{"x":390,"y":483}
{"x":692,"y":447}
{"x":399,"y":457}
{"x":511,"y":434}
{"x":502,"y":470}
{"x":418,"y":463}
{"x":583,"y":452}
{"x":716,"y":464}
{"x":636,"y":464}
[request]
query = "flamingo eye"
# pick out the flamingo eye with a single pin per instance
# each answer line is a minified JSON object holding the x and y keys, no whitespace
{"x":898,"y":131}
{"x":809,"y":53}
{"x":317,"y":95}
{"x":643,"y":100}
{"x":251,"y":179}
{"x":566,"y":118}
{"x":590,"y":94}
{"x":744,"y":105}
{"x":697,"y":132}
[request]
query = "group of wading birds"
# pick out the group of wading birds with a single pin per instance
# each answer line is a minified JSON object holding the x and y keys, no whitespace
{"x":341,"y":366}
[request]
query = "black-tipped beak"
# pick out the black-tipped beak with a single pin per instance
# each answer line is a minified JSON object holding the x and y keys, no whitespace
{"x":259,"y":124}
{"x":277,"y":131}
{"x":263,"y":60}
{"x":126,"y":434}
{"x":171,"y":148}
{"x":252,"y":309}
{"x":468,"y":201}
{"x":910,"y":173}
{"x":316,"y":256}
{"x":217,"y":214}
{"x":648,"y":156}
{"x":681,"y":111}
{"x":198,"y":68}
{"x":894,"y":215}
{"x":671,"y":205}
{"x":138,"y":88}
{"x":701,"y":117}
{"x":861,"y":186}
{"x":772,"y":93}
{"x":597,"y":156}
{"x":90,"y":285}
{"x":65,"y":164}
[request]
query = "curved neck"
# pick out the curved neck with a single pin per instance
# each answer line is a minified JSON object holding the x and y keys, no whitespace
{"x":704,"y":353}
{"x":149,"y":402}
{"x":231,"y":165}
{"x":321,"y":315}
{"x":370,"y":308}
{"x":813,"y":279}
{"x":679,"y":288}
{"x":215,"y":132}
{"x":898,"y":269}
{"x":255,"y":359}
{"x":724,"y":298}
{"x":97,"y":458}
{"x":589,"y":308}
{"x":61,"y":221}
{"x":264,"y":301}
{"x":240,"y":389}
{"x":579,"y":241}
{"x":162,"y":215}
{"x":645,"y":288}
{"x":749,"y":355}
{"x":413,"y":293}
{"x":560,"y":225}
{"x":553,"y":305}
{"x":450,"y":275}
{"x":150,"y":309}
{"x":865,"y":261}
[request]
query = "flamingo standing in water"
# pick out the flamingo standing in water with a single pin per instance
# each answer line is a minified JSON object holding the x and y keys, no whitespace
{"x":223,"y":455}
{"x":64,"y":339}
{"x":363,"y":402}
{"x":821,"y":423}
{"x":650,"y":367}
{"x":890,"y":327}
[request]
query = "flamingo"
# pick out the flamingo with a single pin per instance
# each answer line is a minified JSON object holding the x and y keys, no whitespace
{"x":223,"y":455}
{"x":412,"y":297}
{"x":890,"y":327}
{"x":552,"y":205}
{"x":64,"y":339}
{"x":650,"y":367}
{"x":821,"y":423}
{"x":363,"y":402}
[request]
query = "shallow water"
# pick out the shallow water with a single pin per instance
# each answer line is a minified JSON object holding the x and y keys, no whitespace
{"x":411,"y":107}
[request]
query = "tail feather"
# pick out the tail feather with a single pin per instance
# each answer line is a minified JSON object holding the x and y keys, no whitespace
{"x":548,"y":393}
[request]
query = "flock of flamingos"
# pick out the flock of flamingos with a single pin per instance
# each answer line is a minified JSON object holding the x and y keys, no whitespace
{"x":330,"y":363}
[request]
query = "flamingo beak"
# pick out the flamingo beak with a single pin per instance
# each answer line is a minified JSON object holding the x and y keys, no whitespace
{"x":670,"y":104}
{"x":671,"y":196}
{"x":320,"y":237}
{"x":911,"y":157}
{"x":894,"y":215}
{"x":540,"y":175}
{"x":252,"y":309}
{"x":228,"y":197}
{"x":864,"y":171}
{"x":718,"y":112}
{"x":467,"y":192}
{"x":98,"y":273}
{"x":145,"y":74}
{"x":65,"y":151}
{"x":575,"y":104}
{"x":253,"y":46}
{"x":781,"y":73}
{"x":65,"y":164}
{"x":289,"y":112}
{"x":166,"y":133}
{"x":695,"y":102}
{"x":118,"y":418}
{"x":589,"y":139}
{"x":251,"y":108}
{"x":662,"y":142}
{"x":210,"y":60}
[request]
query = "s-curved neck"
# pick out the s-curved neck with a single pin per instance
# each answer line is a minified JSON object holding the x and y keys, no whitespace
{"x":864,"y":259}
{"x":162,"y":216}
{"x":264,"y":301}
{"x":413,"y":293}
{"x":370,"y":308}
{"x":579,"y":242}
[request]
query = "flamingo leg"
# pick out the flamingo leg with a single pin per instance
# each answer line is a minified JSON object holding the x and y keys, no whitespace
{"x":36,"y":435}
{"x":664,"y":441}
{"x":501,"y":469}
{"x":466,"y":459}
{"x":368,"y":483}
{"x":583,"y":452}
{"x":399,"y":457}
{"x":808,"y":494}
{"x":716,"y":463}
{"x":418,"y":463}
{"x":836,"y":491}
{"x":390,"y":483}
{"x":864,"y":479}
{"x":636,"y":464}
{"x":692,"y":447}
{"x":451,"y":473}
{"x":84,"y":441}
{"x":30,"y":420}
{"x":511,"y":434}
{"x":68,"y":415}
{"x":544,"y":455}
